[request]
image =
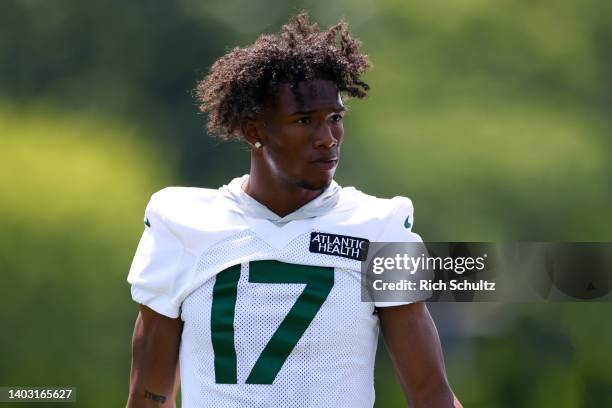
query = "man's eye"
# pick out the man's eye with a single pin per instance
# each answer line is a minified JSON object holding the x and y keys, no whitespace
{"x":303,"y":121}
{"x":337,"y":117}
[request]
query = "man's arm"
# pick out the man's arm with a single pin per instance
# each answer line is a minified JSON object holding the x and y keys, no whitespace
{"x":413,"y":343}
{"x":155,"y":348}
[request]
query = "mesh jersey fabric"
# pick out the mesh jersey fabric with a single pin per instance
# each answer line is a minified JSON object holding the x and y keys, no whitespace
{"x":199,"y":237}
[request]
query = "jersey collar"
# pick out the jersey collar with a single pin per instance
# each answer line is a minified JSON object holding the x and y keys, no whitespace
{"x":247,"y":205}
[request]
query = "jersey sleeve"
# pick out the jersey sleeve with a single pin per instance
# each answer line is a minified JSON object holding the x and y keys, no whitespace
{"x":399,"y":229}
{"x":160,"y":271}
{"x":400,"y":223}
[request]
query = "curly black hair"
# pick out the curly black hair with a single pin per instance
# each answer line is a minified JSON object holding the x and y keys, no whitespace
{"x":241,"y":82}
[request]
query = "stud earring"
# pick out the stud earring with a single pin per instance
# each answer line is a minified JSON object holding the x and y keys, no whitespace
{"x":258,"y":144}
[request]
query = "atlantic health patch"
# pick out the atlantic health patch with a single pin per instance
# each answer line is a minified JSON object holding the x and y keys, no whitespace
{"x":339,"y":245}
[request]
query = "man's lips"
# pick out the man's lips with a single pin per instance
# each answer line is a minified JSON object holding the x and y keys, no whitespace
{"x":326,"y":163}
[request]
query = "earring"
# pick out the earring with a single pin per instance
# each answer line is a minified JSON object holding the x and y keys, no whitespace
{"x":258,"y":144}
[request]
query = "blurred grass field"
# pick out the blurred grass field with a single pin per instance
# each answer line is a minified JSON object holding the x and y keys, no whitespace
{"x":494,"y":118}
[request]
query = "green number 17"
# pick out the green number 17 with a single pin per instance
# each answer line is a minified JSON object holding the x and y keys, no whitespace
{"x":319,"y":281}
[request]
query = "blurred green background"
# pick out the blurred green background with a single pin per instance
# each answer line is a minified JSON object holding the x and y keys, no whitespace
{"x":494,"y":117}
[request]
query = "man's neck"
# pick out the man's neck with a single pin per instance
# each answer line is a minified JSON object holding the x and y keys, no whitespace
{"x":281,"y":198}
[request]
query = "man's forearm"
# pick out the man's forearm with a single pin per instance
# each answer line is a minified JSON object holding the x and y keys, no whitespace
{"x":145,"y":394}
{"x":414,"y":347}
{"x":440,"y":397}
{"x":154,"y":377}
{"x":149,"y":399}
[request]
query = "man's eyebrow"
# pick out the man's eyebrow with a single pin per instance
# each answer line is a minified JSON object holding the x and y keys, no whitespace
{"x":309,"y":112}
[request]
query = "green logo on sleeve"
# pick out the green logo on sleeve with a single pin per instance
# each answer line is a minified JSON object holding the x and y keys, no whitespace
{"x":407,"y":223}
{"x":146,"y":222}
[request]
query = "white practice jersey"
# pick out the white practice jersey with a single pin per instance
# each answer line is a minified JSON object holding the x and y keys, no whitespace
{"x":271,"y":306}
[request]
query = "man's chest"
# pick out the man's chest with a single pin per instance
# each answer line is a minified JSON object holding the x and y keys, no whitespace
{"x":261,"y":319}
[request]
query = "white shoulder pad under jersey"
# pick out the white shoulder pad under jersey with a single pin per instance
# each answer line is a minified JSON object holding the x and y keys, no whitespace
{"x":184,"y":225}
{"x":383,"y":220}
{"x":180,"y":223}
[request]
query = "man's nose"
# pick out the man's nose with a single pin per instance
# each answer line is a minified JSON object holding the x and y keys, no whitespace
{"x":325,"y":136}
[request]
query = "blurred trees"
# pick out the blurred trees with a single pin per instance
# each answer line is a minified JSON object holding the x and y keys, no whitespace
{"x":137,"y":61}
{"x":72,"y":189}
{"x":482,"y":105}
{"x":494,"y":118}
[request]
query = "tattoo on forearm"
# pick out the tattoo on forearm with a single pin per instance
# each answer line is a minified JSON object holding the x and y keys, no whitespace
{"x":154,"y":397}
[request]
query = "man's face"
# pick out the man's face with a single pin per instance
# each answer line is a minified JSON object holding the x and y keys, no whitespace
{"x":302,"y":134}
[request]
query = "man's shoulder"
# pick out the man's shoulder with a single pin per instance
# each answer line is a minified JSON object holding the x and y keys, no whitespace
{"x":172,"y":197}
{"x":199,"y":208}
{"x":376,"y":217}
{"x":353,"y":199}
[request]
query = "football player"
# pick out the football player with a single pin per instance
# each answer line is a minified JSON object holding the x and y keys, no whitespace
{"x":251,"y":294}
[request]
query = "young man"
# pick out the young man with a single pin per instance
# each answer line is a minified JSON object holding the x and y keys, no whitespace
{"x":234,"y":286}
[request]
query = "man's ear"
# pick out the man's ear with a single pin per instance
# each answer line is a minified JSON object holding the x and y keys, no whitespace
{"x":251,"y":131}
